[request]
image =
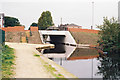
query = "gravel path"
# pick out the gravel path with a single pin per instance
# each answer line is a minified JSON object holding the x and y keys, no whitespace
{"x":27,"y":65}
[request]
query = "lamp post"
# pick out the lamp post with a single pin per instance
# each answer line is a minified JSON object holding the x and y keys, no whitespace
{"x":92,"y":28}
{"x":92,"y":15}
{"x":2,"y":19}
{"x":119,"y":11}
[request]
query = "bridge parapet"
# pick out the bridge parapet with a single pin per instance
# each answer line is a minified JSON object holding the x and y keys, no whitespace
{"x":43,"y":32}
{"x":68,"y":37}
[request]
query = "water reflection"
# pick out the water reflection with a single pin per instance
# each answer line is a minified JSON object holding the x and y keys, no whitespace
{"x":110,"y":66}
{"x":59,"y":48}
{"x":82,"y":62}
{"x":86,"y":62}
{"x":84,"y":53}
{"x":60,"y":51}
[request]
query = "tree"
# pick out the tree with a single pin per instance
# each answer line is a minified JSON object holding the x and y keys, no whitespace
{"x":109,"y":66}
{"x":109,"y":35}
{"x":11,"y":21}
{"x":34,"y":24}
{"x":45,"y":20}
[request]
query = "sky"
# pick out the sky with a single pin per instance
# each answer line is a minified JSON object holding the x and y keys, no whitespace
{"x":71,"y":11}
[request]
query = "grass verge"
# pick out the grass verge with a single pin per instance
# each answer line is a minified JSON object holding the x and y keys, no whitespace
{"x":51,"y":69}
{"x":85,"y":38}
{"x":8,"y":58}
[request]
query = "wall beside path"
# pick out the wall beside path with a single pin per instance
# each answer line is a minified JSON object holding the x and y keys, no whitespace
{"x":23,"y":37}
{"x":34,"y":38}
{"x":19,"y":35}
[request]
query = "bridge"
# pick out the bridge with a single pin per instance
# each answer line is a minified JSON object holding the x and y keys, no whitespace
{"x":57,"y":37}
{"x":60,"y":37}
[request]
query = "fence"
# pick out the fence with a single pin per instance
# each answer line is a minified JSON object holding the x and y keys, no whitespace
{"x":2,"y":37}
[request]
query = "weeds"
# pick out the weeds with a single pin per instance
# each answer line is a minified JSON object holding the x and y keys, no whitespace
{"x":36,"y":55}
{"x":49,"y":68}
{"x":7,"y":61}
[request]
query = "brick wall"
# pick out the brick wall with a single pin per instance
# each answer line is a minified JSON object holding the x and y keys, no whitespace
{"x":13,"y":29}
{"x":83,"y":30}
{"x":18,"y":34}
{"x":14,"y":36}
{"x":33,"y":28}
{"x":34,"y":38}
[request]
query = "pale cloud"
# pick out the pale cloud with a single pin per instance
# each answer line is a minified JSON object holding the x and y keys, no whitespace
{"x":72,"y":11}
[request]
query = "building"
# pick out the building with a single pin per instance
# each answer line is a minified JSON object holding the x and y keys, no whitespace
{"x":1,"y":19}
{"x":53,"y":28}
{"x":68,"y":26}
{"x":119,"y":11}
{"x":73,"y":26}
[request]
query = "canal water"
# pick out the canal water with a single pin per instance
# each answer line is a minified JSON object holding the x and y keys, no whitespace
{"x":83,"y":62}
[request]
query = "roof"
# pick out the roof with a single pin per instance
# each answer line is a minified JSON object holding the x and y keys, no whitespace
{"x":72,"y":24}
{"x":69,"y":25}
{"x":1,"y":14}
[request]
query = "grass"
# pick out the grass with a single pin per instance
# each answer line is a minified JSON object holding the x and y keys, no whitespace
{"x":53,"y":71}
{"x":7,"y":62}
{"x":50,"y":69}
{"x":85,"y":38}
{"x":36,"y":55}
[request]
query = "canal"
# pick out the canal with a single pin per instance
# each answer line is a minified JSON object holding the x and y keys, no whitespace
{"x":85,"y":62}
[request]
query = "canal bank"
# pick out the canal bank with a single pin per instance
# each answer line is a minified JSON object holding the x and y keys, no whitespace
{"x":32,"y":64}
{"x":81,"y":61}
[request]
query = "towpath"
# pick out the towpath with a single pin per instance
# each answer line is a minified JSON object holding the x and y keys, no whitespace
{"x":27,"y":65}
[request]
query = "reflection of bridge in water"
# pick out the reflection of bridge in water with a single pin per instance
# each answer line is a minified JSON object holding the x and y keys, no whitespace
{"x":84,"y":53}
{"x":71,"y":52}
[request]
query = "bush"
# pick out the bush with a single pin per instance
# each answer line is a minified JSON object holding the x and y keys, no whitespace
{"x":110,"y":35}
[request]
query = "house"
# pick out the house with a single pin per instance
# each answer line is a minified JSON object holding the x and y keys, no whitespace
{"x":53,"y":28}
{"x":73,"y":26}
{"x":67,"y":26}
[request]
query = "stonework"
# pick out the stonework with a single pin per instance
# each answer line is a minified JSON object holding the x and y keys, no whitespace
{"x":19,"y":35}
{"x":22,"y":37}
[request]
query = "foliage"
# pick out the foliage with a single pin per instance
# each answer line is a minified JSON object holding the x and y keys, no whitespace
{"x":109,"y":35}
{"x":7,"y":61}
{"x":51,"y":69}
{"x":11,"y":21}
{"x":36,"y":55}
{"x":109,"y":66}
{"x":34,"y":24}
{"x":45,"y":20}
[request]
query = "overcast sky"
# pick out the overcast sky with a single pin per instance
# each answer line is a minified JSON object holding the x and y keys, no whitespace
{"x":72,"y":11}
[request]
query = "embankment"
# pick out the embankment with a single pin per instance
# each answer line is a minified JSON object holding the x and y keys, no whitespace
{"x":23,"y":37}
{"x":85,"y":37}
{"x":19,"y":35}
